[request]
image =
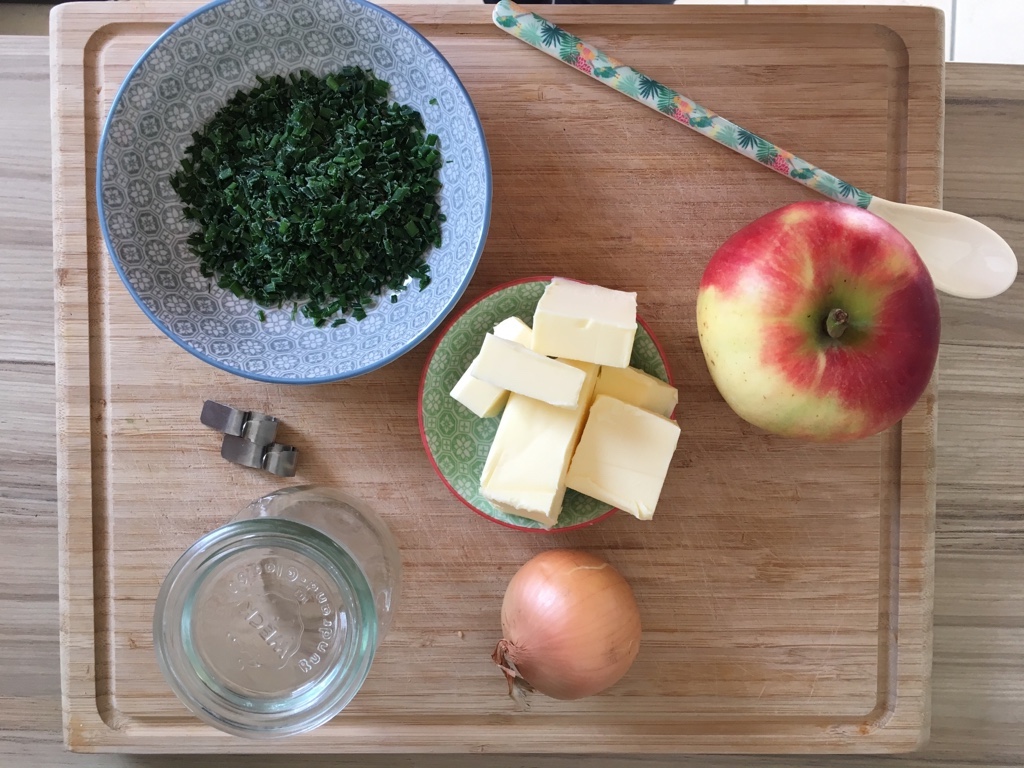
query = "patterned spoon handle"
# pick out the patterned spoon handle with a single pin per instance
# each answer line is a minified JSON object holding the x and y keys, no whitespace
{"x":555,"y":41}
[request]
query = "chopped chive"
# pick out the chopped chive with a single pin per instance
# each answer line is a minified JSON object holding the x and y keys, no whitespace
{"x":331,"y":194}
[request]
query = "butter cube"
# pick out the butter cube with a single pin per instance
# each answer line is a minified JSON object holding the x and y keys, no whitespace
{"x":515,"y":330}
{"x":636,"y":387}
{"x":507,"y":365}
{"x":623,"y":456}
{"x":526,"y":467}
{"x":585,"y":322}
{"x":483,"y":399}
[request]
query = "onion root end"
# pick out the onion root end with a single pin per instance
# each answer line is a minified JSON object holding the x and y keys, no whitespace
{"x":518,"y":688}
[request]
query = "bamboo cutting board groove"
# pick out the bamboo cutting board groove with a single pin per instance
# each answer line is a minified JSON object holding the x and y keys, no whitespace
{"x":785,"y":588}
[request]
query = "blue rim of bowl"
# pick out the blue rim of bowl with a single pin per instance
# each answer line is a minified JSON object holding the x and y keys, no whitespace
{"x":416,"y":340}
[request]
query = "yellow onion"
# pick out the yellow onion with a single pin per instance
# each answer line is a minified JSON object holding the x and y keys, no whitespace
{"x":571,"y":625}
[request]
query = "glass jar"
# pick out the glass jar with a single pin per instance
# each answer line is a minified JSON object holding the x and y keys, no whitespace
{"x":267,"y":626}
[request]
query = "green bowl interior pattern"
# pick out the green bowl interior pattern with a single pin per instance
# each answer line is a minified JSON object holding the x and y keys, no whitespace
{"x":458,"y":440}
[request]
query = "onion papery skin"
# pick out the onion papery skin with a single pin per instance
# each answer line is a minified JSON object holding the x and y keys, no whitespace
{"x":570,"y":623}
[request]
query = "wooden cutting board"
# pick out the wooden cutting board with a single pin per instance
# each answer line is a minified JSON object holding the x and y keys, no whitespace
{"x":785,"y":588}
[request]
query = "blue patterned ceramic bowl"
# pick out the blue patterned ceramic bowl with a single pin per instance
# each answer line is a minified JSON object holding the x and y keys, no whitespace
{"x":177,"y":86}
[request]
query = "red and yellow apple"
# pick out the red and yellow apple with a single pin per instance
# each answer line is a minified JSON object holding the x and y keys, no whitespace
{"x":820,"y":321}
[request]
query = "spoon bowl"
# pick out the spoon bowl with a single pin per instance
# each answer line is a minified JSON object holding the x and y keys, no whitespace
{"x":965,"y":257}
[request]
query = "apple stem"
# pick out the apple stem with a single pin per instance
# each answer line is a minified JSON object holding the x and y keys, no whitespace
{"x":835,"y":322}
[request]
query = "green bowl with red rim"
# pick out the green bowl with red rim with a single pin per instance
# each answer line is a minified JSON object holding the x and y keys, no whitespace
{"x":457,"y":441}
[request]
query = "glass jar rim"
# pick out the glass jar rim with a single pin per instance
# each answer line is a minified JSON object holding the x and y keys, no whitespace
{"x":329,"y":692}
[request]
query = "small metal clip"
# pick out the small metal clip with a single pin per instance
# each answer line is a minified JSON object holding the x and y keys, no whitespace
{"x":241,"y":451}
{"x":260,"y":428}
{"x":249,"y":439}
{"x":280,"y":460}
{"x":223,"y":418}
